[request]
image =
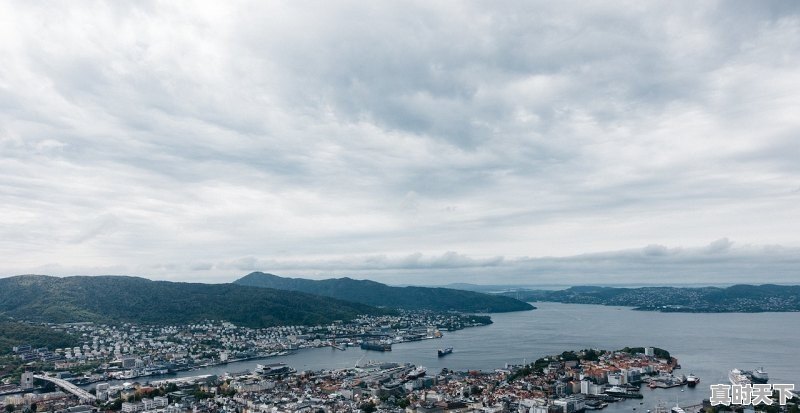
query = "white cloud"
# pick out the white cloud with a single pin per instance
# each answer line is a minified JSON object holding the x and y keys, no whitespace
{"x":134,"y":134}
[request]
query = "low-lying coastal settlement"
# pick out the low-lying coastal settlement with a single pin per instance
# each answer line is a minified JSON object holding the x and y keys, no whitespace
{"x":130,"y":351}
{"x":119,"y":359}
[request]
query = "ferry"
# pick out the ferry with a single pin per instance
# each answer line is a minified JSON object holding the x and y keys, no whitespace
{"x":618,"y":391}
{"x":444,"y":352}
{"x":692,"y":380}
{"x":273,"y":369}
{"x":737,"y":377}
{"x":416,"y":373}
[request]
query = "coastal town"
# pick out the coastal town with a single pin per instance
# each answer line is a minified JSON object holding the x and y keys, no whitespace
{"x":130,"y":351}
{"x":109,"y":372}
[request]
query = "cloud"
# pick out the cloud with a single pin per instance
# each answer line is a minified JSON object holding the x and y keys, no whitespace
{"x":230,"y":136}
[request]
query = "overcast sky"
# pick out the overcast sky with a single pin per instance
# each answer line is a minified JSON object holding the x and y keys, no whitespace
{"x":408,"y":142}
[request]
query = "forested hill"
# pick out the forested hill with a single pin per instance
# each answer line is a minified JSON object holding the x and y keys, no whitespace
{"x":138,"y":300}
{"x":737,"y":298}
{"x":377,"y":294}
{"x":15,"y":333}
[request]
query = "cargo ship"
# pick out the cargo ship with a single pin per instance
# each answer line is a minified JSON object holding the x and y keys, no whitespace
{"x":376,"y":346}
{"x":444,"y":352}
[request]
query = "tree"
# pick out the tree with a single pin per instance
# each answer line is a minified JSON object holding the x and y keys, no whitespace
{"x":9,"y":408}
{"x":368,"y":407}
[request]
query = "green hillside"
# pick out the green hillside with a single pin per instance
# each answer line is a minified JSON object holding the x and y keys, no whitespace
{"x":138,"y":300}
{"x":15,"y":333}
{"x":377,"y":294}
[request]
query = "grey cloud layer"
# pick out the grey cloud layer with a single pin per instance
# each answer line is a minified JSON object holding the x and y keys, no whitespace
{"x":143,"y":133}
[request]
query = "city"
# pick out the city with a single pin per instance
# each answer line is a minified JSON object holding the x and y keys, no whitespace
{"x":573,"y":381}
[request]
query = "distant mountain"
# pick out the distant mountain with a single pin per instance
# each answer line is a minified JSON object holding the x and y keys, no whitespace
{"x":138,"y":300}
{"x":737,"y":298}
{"x":377,"y":294}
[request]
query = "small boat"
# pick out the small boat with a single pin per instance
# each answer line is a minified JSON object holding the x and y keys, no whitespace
{"x":692,"y":380}
{"x":677,"y":409}
{"x":444,"y":352}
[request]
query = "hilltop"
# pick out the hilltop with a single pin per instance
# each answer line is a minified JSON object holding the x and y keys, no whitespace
{"x":112,"y":299}
{"x":377,"y":294}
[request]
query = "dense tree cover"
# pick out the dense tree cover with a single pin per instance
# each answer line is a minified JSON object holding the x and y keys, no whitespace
{"x":14,"y":333}
{"x":377,"y":294}
{"x":658,"y":352}
{"x":737,"y":298}
{"x":113,"y":299}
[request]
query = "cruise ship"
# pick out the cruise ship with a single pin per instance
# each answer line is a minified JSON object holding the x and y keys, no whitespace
{"x":737,"y":377}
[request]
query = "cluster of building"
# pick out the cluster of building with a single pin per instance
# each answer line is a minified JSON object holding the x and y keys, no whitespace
{"x":27,"y":353}
{"x":567,"y":383}
{"x":130,"y":351}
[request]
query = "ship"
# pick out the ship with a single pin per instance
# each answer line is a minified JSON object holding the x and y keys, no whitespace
{"x":416,"y":373}
{"x":376,"y":346}
{"x":692,"y":380}
{"x":759,"y":376}
{"x":737,"y":377}
{"x":677,"y":409}
{"x":444,"y":352}
{"x":618,"y":391}
{"x":273,"y":369}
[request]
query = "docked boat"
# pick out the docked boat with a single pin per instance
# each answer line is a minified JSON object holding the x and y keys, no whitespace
{"x":677,"y":409}
{"x":444,"y":352}
{"x":759,"y":376}
{"x":416,"y":373}
{"x":692,"y":380}
{"x":618,"y":391}
{"x":273,"y":369}
{"x":738,"y":377}
{"x":376,"y":346}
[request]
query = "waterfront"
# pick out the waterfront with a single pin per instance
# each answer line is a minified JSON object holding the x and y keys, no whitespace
{"x":707,"y":345}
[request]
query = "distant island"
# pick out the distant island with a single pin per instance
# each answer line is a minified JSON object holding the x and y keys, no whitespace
{"x":377,"y":294}
{"x":737,"y":298}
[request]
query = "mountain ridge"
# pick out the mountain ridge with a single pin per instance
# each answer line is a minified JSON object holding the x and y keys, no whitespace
{"x":378,"y":294}
{"x":114,"y":299}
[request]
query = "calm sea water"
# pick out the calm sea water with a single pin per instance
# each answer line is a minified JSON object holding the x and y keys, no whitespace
{"x":708,"y":345}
